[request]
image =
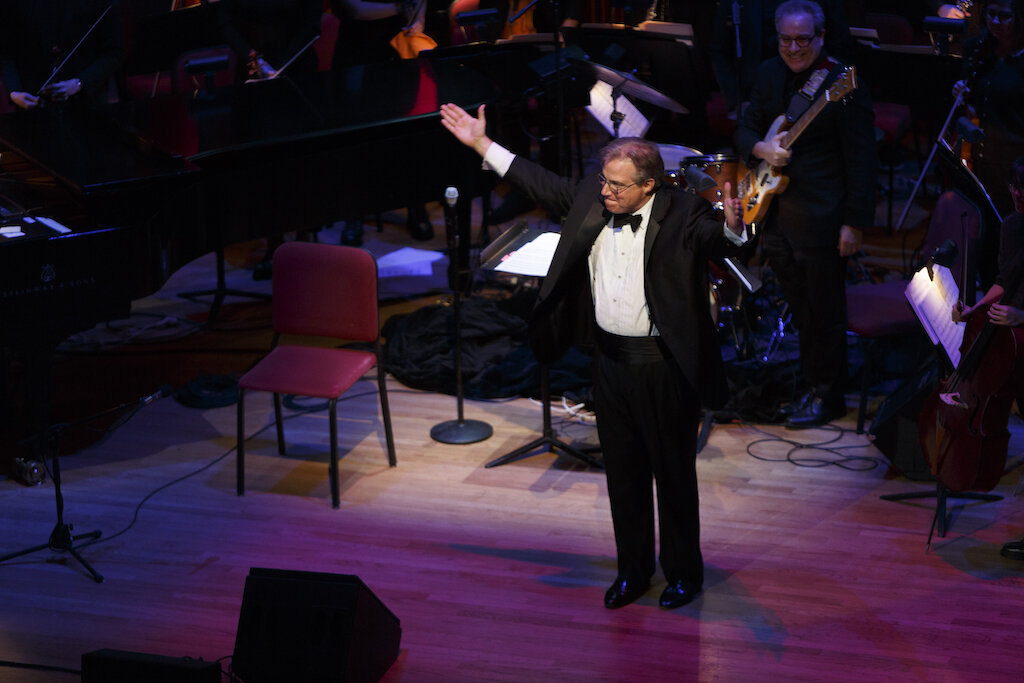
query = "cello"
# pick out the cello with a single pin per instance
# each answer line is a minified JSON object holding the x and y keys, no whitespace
{"x":962,"y":430}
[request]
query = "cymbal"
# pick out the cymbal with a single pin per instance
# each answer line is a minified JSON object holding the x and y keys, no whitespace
{"x":631,"y":85}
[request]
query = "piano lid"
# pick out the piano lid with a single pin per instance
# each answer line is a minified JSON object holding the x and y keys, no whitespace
{"x":85,"y":152}
{"x":301,"y":110}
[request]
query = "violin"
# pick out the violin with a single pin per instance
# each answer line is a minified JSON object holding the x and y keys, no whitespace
{"x":963,"y":426}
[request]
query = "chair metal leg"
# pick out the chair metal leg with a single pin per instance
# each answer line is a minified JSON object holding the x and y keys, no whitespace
{"x":279,"y":423}
{"x":240,"y":446}
{"x":865,"y":372}
{"x":382,"y":389}
{"x":333,"y":467}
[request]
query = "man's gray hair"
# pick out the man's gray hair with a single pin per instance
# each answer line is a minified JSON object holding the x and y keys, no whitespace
{"x":644,"y":154}
{"x":791,"y":7}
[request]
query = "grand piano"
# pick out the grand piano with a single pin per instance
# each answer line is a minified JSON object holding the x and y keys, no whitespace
{"x":99,"y":207}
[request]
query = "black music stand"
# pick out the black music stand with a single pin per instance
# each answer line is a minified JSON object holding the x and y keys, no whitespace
{"x":496,"y":256}
{"x":941,"y":519}
{"x":61,"y":537}
{"x":547,"y":440}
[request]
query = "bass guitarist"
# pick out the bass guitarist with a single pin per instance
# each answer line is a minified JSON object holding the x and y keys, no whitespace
{"x":816,"y":222}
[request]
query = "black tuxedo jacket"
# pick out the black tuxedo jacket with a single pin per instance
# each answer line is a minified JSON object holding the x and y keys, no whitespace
{"x":683,"y":232}
{"x":833,"y":170}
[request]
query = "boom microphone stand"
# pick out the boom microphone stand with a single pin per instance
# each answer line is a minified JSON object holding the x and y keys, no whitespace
{"x":459,"y":431}
{"x":61,"y":537}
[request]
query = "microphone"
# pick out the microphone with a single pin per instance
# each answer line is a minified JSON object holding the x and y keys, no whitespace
{"x":451,"y":196}
{"x":451,"y":228}
{"x":697,"y":181}
{"x":162,"y":392}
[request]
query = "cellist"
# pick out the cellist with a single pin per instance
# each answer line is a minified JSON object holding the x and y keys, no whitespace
{"x":1005,"y":297}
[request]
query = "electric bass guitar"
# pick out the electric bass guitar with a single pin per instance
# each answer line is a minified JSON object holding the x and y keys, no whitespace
{"x":760,"y":184}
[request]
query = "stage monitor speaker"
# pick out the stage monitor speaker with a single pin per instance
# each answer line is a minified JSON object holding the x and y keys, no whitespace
{"x":894,"y":429}
{"x":311,"y":627}
{"x":110,"y":666}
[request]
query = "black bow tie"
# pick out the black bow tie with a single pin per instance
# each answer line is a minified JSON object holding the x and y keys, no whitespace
{"x":620,"y":220}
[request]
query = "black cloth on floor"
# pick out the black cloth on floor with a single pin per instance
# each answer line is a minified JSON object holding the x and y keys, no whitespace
{"x":496,"y":361}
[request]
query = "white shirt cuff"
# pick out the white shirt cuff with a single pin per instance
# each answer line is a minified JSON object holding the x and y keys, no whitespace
{"x":738,"y":240}
{"x":498,"y":159}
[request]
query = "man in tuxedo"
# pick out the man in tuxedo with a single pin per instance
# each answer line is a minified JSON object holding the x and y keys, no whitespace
{"x":816,"y":222}
{"x":641,"y":294}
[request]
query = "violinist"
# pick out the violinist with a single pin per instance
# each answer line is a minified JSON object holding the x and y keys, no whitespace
{"x":59,"y":50}
{"x":1006,"y":297}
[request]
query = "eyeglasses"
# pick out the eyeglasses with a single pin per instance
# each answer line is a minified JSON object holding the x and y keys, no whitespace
{"x":615,"y":188}
{"x":1001,"y":17}
{"x":801,"y":41}
{"x":1015,"y":189}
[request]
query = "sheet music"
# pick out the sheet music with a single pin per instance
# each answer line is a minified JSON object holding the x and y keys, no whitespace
{"x":634,"y":124}
{"x":533,"y":258}
{"x":933,"y":301}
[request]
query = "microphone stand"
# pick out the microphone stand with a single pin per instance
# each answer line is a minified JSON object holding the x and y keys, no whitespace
{"x":61,"y":537}
{"x":928,"y":162}
{"x":458,"y":431}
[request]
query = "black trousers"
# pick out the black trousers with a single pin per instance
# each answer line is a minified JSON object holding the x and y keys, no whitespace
{"x":647,"y":418}
{"x":814,"y":284}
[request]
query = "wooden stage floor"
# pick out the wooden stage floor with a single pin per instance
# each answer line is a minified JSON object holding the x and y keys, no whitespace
{"x":498,"y":574}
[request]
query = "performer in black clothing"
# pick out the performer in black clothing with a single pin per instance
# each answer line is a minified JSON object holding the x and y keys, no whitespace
{"x":265,"y":34}
{"x":737,"y":75}
{"x":37,"y":35}
{"x":993,"y":86}
{"x":816,"y":222}
{"x":641,"y":294}
{"x":1006,"y":295}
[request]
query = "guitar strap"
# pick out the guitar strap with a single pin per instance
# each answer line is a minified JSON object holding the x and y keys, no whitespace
{"x":802,"y":99}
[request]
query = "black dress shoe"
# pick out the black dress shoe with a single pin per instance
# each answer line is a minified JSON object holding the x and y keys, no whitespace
{"x":796,"y":405}
{"x":418,"y":224}
{"x":352,"y":234}
{"x":677,"y":594}
{"x":262,"y":271}
{"x":1014,"y":550}
{"x":421,"y":231}
{"x":624,"y":591}
{"x":815,"y":414}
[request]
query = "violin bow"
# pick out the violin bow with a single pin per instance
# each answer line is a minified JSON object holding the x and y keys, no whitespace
{"x":64,"y":61}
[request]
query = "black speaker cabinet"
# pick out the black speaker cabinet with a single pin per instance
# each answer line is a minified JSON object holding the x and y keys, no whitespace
{"x":894,"y":429}
{"x":311,"y":627}
{"x":118,"y":666}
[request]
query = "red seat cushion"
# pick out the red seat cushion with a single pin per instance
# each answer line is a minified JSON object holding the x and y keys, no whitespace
{"x":308,"y":371}
{"x":879,"y":310}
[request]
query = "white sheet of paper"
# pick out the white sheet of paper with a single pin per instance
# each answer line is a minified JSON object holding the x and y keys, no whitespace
{"x":533,"y":258}
{"x":634,"y":124}
{"x":408,"y":261}
{"x":933,"y":301}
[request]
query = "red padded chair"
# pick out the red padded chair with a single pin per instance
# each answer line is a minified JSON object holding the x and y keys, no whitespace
{"x":463,"y":34}
{"x":326,"y":291}
{"x":877,"y":311}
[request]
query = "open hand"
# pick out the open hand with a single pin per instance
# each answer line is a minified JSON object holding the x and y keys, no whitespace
{"x":469,"y":130}
{"x":733,"y":208}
